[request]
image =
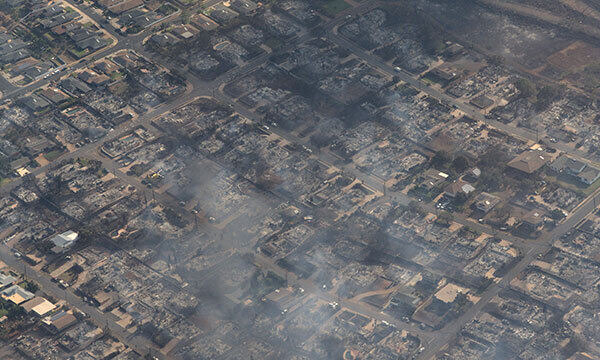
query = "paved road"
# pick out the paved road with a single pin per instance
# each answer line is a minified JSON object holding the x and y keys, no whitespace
{"x":437,"y":339}
{"x":541,"y":246}
{"x":544,"y":16}
{"x":196,"y":88}
{"x":471,"y":111}
{"x":91,"y":148}
{"x":139,"y":344}
{"x":133,"y":42}
{"x":530,"y":249}
{"x":311,"y":288}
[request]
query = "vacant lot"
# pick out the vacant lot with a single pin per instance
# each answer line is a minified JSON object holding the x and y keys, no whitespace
{"x":332,"y":7}
{"x":575,"y":56}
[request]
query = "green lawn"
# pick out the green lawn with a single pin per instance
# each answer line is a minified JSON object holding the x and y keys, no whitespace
{"x":274,"y":43}
{"x":332,"y":7}
{"x":79,"y":54}
{"x":116,"y":75}
{"x":52,"y":155}
{"x":573,"y":184}
{"x":590,"y":189}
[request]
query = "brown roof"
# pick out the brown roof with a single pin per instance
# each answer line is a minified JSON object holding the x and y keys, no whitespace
{"x":581,"y":356}
{"x":529,"y":161}
{"x":54,"y":95}
{"x":204,"y":22}
{"x":459,"y":186}
{"x":32,"y":303}
{"x":106,"y":67}
{"x":125,"y":5}
{"x":107,"y":3}
{"x":535,"y":217}
{"x":38,"y":305}
{"x":184,"y":31}
{"x":64,"y":321}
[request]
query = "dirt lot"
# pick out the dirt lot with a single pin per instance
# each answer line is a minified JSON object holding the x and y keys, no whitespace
{"x":575,"y":56}
{"x":498,"y":33}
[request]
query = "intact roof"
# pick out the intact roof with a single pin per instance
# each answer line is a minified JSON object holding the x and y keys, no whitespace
{"x":16,"y":294}
{"x":72,"y":84}
{"x":486,"y":202}
{"x":54,"y":95}
{"x":105,"y":66}
{"x":61,"y":320}
{"x":164,"y":39}
{"x":185,"y":31}
{"x":6,"y":280}
{"x":204,"y":22}
{"x":244,"y":6}
{"x":564,"y":162}
{"x":27,"y":306}
{"x":529,"y":161}
{"x":4,"y":38}
{"x":125,"y":6}
{"x":458,"y":187}
{"x":65,"y":239}
{"x":589,"y":174}
{"x":107,"y":3}
{"x":15,"y":55}
{"x":38,"y":305}
{"x":93,"y":43}
{"x":12,"y":46}
{"x":81,"y":34}
{"x":34,"y":102}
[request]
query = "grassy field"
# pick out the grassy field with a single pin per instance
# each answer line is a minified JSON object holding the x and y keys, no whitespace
{"x":332,"y":7}
{"x":574,"y":185}
{"x":52,"y":155}
{"x":274,"y":43}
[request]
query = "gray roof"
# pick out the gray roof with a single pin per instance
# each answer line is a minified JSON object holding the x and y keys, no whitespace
{"x":16,"y":289}
{"x":65,"y":239}
{"x":6,"y":280}
{"x":564,"y":162}
{"x":589,"y":175}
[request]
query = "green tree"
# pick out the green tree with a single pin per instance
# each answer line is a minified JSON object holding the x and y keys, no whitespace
{"x":416,"y":207}
{"x":440,"y":159}
{"x":496,"y":60}
{"x":547,"y":94}
{"x":557,"y":215}
{"x":526,"y":87}
{"x":433,"y":40}
{"x":490,"y":179}
{"x":460,"y":164}
{"x":31,"y":286}
{"x":445,"y":218}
